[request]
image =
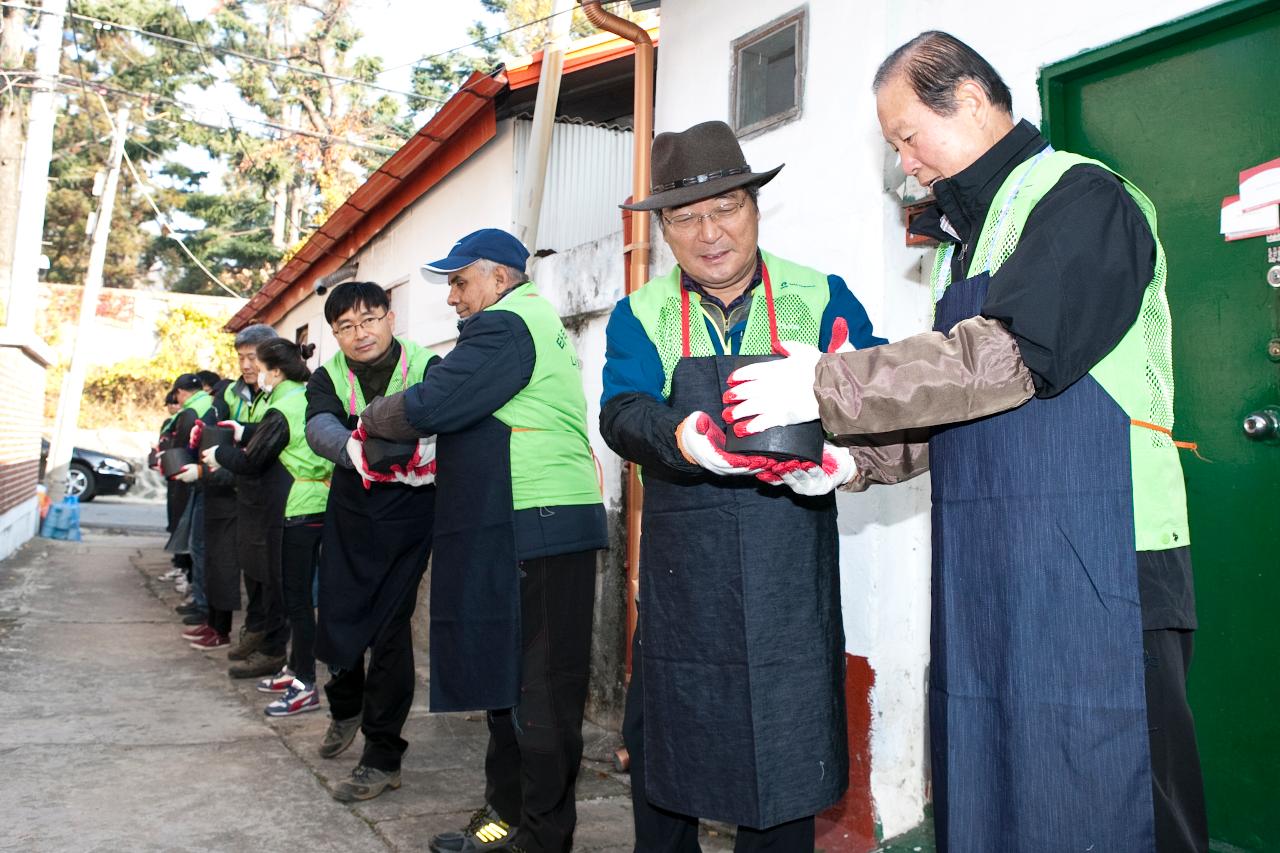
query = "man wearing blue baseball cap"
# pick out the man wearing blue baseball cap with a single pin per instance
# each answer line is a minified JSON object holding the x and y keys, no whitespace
{"x":519,"y":518}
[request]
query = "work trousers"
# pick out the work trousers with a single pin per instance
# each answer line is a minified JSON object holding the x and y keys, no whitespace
{"x":531,"y":768}
{"x":299,"y":557}
{"x":220,"y":620}
{"x":1176,"y":786}
{"x":662,"y":831}
{"x":197,"y":550}
{"x":384,"y":693}
{"x":265,"y":613}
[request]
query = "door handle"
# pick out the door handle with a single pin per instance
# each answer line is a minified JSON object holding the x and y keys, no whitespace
{"x":1263,"y":425}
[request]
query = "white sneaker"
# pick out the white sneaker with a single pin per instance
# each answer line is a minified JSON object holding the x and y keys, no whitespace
{"x":182,"y":585}
{"x":278,"y":683}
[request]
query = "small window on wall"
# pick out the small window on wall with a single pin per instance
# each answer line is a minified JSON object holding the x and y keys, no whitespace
{"x":768,"y":74}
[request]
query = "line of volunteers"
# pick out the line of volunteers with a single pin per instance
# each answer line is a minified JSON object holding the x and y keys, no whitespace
{"x":1041,"y":402}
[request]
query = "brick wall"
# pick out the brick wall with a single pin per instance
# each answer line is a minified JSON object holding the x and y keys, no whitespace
{"x":22,"y":389}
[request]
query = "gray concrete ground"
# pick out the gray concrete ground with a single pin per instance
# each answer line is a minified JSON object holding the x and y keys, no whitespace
{"x":115,"y":735}
{"x":127,"y":514}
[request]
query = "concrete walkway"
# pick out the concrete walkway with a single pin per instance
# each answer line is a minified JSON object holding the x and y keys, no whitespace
{"x":115,"y":735}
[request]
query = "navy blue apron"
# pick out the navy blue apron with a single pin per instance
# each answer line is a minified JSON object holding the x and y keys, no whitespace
{"x":475,"y":574}
{"x":373,"y":553}
{"x":1038,"y":721}
{"x":741,"y":637}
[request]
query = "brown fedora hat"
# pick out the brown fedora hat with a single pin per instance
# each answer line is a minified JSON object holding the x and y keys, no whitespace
{"x":701,"y":162}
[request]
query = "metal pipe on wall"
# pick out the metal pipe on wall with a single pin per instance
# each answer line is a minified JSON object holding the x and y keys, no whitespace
{"x":534,"y":178}
{"x":638,"y":251}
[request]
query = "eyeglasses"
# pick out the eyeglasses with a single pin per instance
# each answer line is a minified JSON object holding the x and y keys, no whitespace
{"x":688,"y":222}
{"x":366,"y":325}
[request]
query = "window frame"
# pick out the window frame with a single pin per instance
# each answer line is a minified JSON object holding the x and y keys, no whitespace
{"x":797,"y":17}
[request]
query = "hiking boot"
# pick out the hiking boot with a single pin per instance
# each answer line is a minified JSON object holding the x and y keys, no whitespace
{"x":280,"y":682}
{"x":298,"y":699}
{"x":365,"y":784}
{"x":249,"y":642}
{"x":339,"y":736}
{"x":256,"y":665}
{"x":486,"y":831}
{"x":211,"y":642}
{"x":196,"y":632}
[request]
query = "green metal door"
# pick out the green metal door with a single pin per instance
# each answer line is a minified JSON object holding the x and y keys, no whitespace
{"x":1181,"y":110}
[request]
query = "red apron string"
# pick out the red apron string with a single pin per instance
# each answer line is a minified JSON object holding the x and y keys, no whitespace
{"x":686,"y":349}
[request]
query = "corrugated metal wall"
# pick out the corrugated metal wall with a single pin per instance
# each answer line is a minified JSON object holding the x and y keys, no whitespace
{"x":588,"y":176}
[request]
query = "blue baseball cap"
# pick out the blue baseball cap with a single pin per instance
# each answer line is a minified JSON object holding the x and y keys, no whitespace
{"x":489,"y":244}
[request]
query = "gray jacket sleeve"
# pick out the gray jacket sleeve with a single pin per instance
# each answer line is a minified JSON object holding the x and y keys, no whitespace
{"x":327,"y":436}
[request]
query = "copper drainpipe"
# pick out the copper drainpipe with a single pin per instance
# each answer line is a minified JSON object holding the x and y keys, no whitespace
{"x":637,"y":271}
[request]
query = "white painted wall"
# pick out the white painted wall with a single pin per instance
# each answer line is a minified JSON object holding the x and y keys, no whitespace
{"x":827,"y":209}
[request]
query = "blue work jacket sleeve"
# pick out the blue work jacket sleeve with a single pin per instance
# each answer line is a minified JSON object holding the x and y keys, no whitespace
{"x":491,"y":363}
{"x":843,"y":303}
{"x":635,"y":420}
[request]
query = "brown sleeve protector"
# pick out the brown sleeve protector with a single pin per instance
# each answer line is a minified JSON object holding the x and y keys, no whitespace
{"x":887,"y":458}
{"x":922,"y":381}
{"x":384,"y":418}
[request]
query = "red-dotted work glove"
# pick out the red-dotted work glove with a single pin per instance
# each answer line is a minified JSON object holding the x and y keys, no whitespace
{"x":210,"y":458}
{"x":421,"y":468}
{"x":702,"y":443}
{"x":805,"y":478}
{"x":196,"y":431}
{"x":237,"y":430}
{"x":188,"y":473}
{"x":355,"y":451}
{"x":778,"y":393}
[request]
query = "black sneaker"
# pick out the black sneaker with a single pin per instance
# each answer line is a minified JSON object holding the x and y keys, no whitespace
{"x":256,"y":665}
{"x":197,"y":617}
{"x":365,"y":784}
{"x":186,"y":609}
{"x":339,"y":736}
{"x":486,"y":831}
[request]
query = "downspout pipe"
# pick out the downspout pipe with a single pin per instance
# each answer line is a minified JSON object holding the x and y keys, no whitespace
{"x":638,"y":248}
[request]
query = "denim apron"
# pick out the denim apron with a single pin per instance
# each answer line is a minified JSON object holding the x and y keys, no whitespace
{"x":741,"y":637}
{"x":373,"y":553}
{"x":475,"y":573}
{"x":1038,"y":720}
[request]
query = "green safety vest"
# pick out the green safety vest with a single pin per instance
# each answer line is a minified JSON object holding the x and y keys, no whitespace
{"x":236,"y":405}
{"x":309,"y":493}
{"x":800,"y":296}
{"x":1137,"y":374}
{"x":413,"y":364}
{"x":551,"y":459}
{"x":199,"y":402}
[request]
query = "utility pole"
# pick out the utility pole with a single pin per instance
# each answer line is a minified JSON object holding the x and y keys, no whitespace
{"x":29,"y":234}
{"x":64,"y":430}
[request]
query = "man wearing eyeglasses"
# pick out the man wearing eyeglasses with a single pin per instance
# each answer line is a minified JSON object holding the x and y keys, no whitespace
{"x":736,"y":705}
{"x":375,"y":545}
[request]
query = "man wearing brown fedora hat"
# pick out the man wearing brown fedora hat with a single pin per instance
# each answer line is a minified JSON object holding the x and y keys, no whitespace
{"x":735,"y":710}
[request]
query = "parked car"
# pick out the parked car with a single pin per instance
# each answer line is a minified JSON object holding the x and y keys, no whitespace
{"x":93,"y":473}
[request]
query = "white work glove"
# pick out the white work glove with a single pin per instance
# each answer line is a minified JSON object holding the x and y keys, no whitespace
{"x":237,"y":430}
{"x":355,"y":452}
{"x":421,"y":468}
{"x":701,"y":442}
{"x":773,"y":393}
{"x":805,"y":478}
{"x":779,"y":393}
{"x":210,"y":458}
{"x":188,"y":473}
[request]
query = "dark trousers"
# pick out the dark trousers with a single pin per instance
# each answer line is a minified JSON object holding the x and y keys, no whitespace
{"x":1176,"y":786}
{"x":300,"y":555}
{"x":384,"y":693}
{"x":265,"y":613}
{"x":662,"y":831}
{"x":531,"y":769}
{"x":220,"y":620}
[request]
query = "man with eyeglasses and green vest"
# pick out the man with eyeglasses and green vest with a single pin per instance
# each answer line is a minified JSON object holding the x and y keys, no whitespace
{"x":519,"y":519}
{"x":1063,"y":608}
{"x":375,"y":545}
{"x":735,"y":711}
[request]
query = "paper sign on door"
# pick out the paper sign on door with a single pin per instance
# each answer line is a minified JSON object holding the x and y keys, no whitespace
{"x":1260,"y":186}
{"x":1238,"y":223}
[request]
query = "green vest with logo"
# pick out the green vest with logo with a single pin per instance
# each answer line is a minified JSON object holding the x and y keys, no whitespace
{"x":413,"y":364}
{"x":551,"y":459}
{"x":800,"y":296}
{"x":1138,"y":373}
{"x":309,"y":493}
